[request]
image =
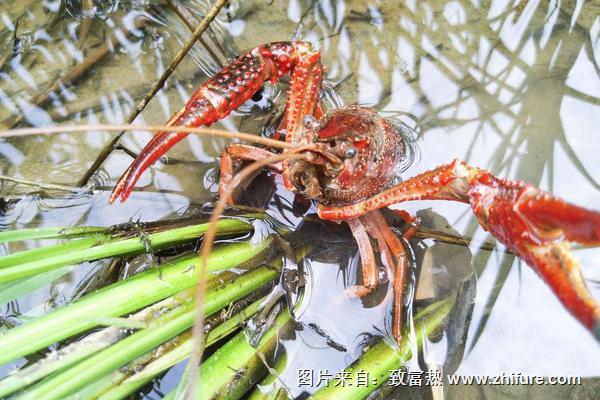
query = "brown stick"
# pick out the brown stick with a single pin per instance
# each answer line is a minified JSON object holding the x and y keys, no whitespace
{"x":87,"y":13}
{"x":247,"y":137}
{"x":453,"y":239}
{"x":191,"y":21}
{"x":41,"y":185}
{"x":209,"y":238}
{"x":107,"y":150}
{"x":437,"y":236}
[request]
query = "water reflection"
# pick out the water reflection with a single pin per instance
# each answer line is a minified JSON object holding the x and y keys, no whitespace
{"x":513,"y":87}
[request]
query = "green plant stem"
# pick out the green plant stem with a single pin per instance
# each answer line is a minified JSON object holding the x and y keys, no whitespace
{"x":236,"y":366}
{"x":41,"y":253}
{"x":83,"y":348}
{"x":49,"y":233}
{"x":15,"y":289}
{"x":56,"y":257}
{"x":270,"y":387}
{"x":120,"y":298}
{"x":120,"y":384}
{"x":380,"y":360}
{"x":160,"y":330}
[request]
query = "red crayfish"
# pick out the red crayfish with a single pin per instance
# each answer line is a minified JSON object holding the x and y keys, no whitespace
{"x":346,"y":160}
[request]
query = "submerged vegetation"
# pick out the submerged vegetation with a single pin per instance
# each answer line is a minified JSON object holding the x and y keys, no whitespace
{"x":147,"y":318}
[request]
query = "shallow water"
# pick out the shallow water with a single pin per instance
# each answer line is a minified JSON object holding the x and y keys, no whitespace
{"x":513,"y":88}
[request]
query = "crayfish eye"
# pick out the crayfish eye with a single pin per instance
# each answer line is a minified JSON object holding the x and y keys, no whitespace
{"x":350,"y":152}
{"x":310,"y":122}
{"x":382,"y":275}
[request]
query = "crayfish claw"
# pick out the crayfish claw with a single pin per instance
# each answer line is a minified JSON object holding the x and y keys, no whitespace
{"x":539,"y":227}
{"x":548,"y":215}
{"x":229,"y":89}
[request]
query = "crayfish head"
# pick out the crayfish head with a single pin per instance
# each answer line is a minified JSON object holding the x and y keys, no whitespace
{"x":363,"y":151}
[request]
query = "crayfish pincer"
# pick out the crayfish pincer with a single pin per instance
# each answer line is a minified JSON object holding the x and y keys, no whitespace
{"x":347,"y":160}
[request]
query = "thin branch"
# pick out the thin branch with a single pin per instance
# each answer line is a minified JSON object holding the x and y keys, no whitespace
{"x":57,"y":129}
{"x":45,"y":186}
{"x":577,"y":161}
{"x":87,"y":13}
{"x":454,"y":239}
{"x":569,"y":91}
{"x":108,"y":149}
{"x":423,"y":233}
{"x":211,"y":45}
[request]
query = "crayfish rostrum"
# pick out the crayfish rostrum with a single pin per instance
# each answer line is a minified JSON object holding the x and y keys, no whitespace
{"x":346,"y":160}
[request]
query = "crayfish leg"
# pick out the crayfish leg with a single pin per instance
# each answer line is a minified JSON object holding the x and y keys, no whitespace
{"x":232,"y":156}
{"x":393,"y":251}
{"x":401,"y":269}
{"x":367,"y":258}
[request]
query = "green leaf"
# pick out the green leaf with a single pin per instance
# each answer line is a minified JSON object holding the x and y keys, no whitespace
{"x":160,"y":330}
{"x":55,"y":256}
{"x":119,"y":384}
{"x":381,"y":359}
{"x":236,"y":366}
{"x":13,"y":290}
{"x":49,"y":233}
{"x":120,"y":298}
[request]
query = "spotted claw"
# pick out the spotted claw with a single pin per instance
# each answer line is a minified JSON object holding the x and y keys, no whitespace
{"x":226,"y":91}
